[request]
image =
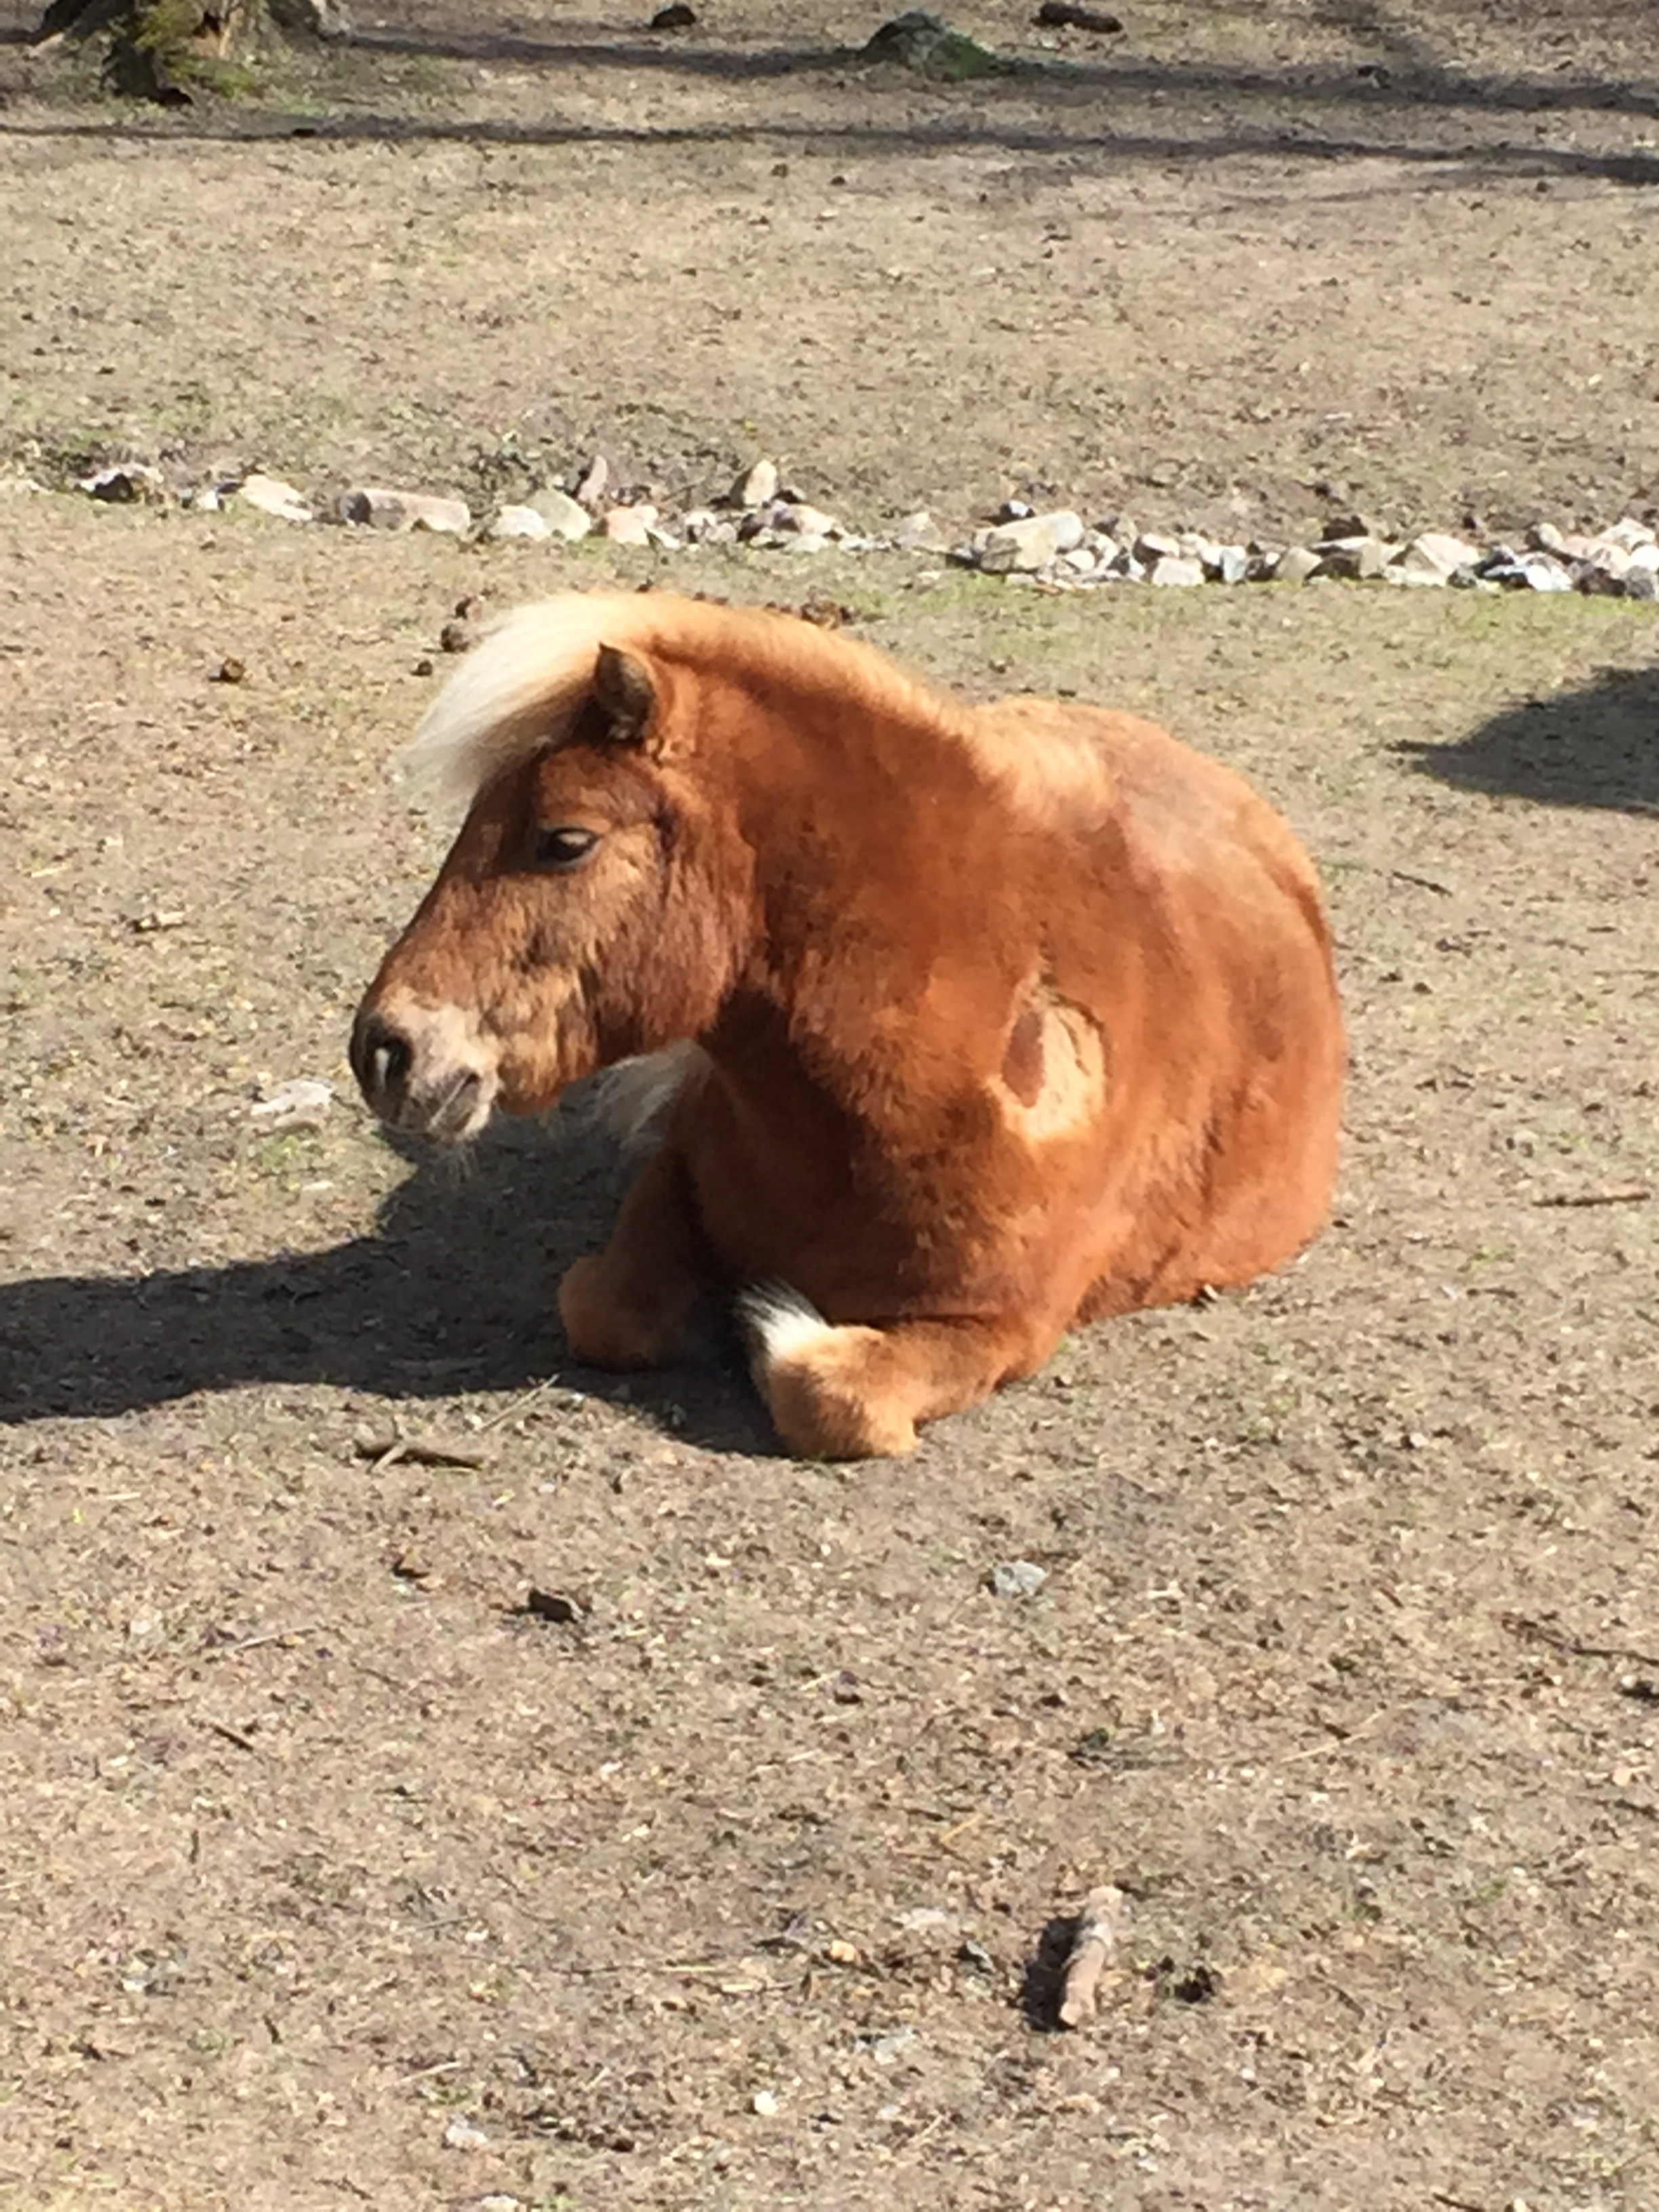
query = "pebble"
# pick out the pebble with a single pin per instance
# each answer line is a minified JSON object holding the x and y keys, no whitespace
{"x":1295,"y":565}
{"x":519,"y":522}
{"x":1174,"y":568}
{"x":920,"y":533}
{"x":757,"y":487}
{"x":119,"y":487}
{"x":592,"y":484}
{"x":464,"y":2134}
{"x":885,"y":2046}
{"x":565,"y":517}
{"x":703,"y":527}
{"x":302,"y":1103}
{"x":765,"y":2102}
{"x":629,"y":526}
{"x":1016,"y":1578}
{"x":374,"y":506}
{"x":272,"y":496}
{"x":1532,"y":572}
{"x":805,"y":521}
{"x":928,"y":1919}
{"x":1436,"y":557}
{"x":1360,"y":557}
{"x":1025,"y":546}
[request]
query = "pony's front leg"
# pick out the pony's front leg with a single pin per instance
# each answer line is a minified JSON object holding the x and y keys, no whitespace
{"x":857,"y":1393}
{"x":632,"y":1305}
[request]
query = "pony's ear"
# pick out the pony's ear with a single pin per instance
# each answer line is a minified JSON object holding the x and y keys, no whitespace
{"x":625,"y":695}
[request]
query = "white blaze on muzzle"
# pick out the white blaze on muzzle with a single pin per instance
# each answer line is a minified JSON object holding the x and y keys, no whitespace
{"x":429,"y":1070}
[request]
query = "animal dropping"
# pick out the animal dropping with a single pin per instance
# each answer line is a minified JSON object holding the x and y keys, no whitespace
{"x":956,"y":1026}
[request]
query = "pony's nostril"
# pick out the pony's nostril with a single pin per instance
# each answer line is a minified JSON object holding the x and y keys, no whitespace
{"x":381,"y":1058}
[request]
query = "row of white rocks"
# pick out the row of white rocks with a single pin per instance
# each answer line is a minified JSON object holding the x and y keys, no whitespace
{"x":1056,"y":549}
{"x":1059,"y":549}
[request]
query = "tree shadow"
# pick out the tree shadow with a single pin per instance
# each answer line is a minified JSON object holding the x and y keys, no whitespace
{"x":452,"y":1293}
{"x":1473,"y":164}
{"x":1413,"y":76}
{"x":1597,"y":747}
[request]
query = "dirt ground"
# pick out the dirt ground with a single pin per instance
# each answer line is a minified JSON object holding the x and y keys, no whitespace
{"x":329,"y":1875}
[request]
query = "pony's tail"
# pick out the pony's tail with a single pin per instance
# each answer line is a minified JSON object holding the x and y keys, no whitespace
{"x":632,"y":1100}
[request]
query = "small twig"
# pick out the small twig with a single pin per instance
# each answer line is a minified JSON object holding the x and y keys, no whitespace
{"x":516,"y":1405}
{"x":426,"y":1451}
{"x":1100,"y":1929}
{"x":1629,"y":1194}
{"x":230,"y":1735}
{"x":1423,"y":883}
{"x":1538,"y":1631}
{"x":252,"y":1642}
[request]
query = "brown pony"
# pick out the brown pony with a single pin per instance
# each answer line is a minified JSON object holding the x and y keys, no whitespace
{"x":971,"y":1022}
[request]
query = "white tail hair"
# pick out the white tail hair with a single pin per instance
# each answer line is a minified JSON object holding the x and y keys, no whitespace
{"x":632,"y":1099}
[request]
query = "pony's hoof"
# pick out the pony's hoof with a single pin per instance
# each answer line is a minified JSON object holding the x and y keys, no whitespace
{"x":604,"y":1333}
{"x":819,"y":1380}
{"x":820,"y":1416}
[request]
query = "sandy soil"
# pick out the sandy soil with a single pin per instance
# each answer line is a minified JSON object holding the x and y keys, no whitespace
{"x":331,"y":1876}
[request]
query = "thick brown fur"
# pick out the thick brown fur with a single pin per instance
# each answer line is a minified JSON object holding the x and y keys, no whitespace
{"x":1010,"y":1016}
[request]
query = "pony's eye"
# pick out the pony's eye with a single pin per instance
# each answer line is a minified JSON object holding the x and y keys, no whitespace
{"x":566,"y":846}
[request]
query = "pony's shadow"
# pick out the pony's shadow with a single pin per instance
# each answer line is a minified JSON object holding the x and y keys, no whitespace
{"x":1597,"y":746}
{"x":452,"y":1293}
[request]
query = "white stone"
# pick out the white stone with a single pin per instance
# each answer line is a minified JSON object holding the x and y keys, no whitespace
{"x":629,"y":526}
{"x":1436,"y":555}
{"x":1025,"y":547}
{"x":595,"y":477}
{"x":1540,"y":572}
{"x":1627,"y":533}
{"x":809,"y":521}
{"x":1152,"y":547}
{"x":376,"y":507}
{"x":301,"y":1104}
{"x":1172,"y":568}
{"x":565,"y":517}
{"x":918,"y":533}
{"x":1194,"y":546}
{"x":272,"y":496}
{"x":1295,"y":565}
{"x":464,"y":2134}
{"x":1232,"y":564}
{"x":1643,"y":557}
{"x":757,"y":487}
{"x":1608,"y":555}
{"x":128,"y":481}
{"x":519,"y":522}
{"x":1355,"y":556}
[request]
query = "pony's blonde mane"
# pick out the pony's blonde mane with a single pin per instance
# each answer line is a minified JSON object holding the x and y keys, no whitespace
{"x":522,"y":687}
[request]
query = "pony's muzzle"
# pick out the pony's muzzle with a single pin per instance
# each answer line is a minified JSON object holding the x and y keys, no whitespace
{"x":380,"y":1059}
{"x":417,"y":1074}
